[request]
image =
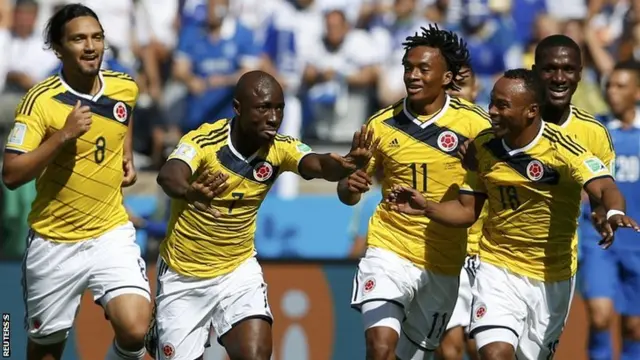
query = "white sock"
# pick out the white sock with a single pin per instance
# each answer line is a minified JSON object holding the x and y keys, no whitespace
{"x":117,"y":353}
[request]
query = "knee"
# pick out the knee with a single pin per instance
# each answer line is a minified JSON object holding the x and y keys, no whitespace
{"x":379,"y":349}
{"x":131,"y":336}
{"x":258,"y":351}
{"x":600,"y":318}
{"x":497,"y":351}
{"x":452,"y":352}
{"x":631,"y":328}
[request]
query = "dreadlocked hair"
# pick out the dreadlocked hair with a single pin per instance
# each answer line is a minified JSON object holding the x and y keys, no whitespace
{"x":453,"y":49}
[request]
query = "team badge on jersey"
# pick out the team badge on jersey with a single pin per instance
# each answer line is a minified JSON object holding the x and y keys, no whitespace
{"x":480,"y":311}
{"x":120,"y":111}
{"x":535,"y":170}
{"x":369,"y":285}
{"x":168,"y":351}
{"x":263,"y":171}
{"x":447,"y":141}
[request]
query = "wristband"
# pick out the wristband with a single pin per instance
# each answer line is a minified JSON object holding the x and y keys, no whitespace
{"x":611,"y":213}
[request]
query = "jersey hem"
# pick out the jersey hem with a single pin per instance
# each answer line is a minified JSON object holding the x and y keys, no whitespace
{"x":67,"y":241}
{"x":189,"y":165}
{"x":14,"y":151}
{"x":198,"y":274}
{"x":596,"y":178}
{"x":529,"y":274}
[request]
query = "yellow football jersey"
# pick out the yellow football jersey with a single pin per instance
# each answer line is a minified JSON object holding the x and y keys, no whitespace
{"x":533,"y":200}
{"x":79,"y":194}
{"x":592,"y":134}
{"x":421,"y":152}
{"x":197,"y":244}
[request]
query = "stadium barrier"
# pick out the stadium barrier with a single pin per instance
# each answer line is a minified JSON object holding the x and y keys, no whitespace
{"x":309,"y":300}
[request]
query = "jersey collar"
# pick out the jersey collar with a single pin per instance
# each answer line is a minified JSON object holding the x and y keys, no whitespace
{"x":530,"y":145}
{"x":93,"y":98}
{"x":235,"y":152}
{"x":617,"y":124}
{"x":424,"y":124}
{"x":569,"y":118}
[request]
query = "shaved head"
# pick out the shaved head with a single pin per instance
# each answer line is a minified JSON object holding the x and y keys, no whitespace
{"x":255,"y":82}
{"x":258,"y":102}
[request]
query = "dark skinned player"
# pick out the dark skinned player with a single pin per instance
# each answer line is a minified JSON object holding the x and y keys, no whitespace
{"x":73,"y":134}
{"x":412,"y":265}
{"x":208,"y":274}
{"x":530,"y":173}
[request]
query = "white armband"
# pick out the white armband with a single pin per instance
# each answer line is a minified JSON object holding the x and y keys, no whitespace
{"x":611,"y":213}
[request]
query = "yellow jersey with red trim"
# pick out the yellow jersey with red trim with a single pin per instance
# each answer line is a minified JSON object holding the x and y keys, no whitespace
{"x":422,"y":153}
{"x":533,"y":198}
{"x":79,"y":195}
{"x":200,"y":245}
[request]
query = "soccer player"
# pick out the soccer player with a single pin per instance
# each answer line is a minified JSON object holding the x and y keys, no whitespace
{"x":208,"y":274}
{"x":452,"y":346}
{"x":558,"y":64}
{"x":73,"y":134}
{"x":613,"y":277}
{"x":412,"y":265}
{"x":531,"y":174}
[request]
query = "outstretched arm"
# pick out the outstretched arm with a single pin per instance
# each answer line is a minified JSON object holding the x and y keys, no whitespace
{"x":333,"y":167}
{"x":460,"y":213}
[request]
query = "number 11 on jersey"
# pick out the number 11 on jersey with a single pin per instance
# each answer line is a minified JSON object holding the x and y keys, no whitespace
{"x":419,"y":176}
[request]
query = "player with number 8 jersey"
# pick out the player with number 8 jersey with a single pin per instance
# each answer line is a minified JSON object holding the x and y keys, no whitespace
{"x":72,"y":134}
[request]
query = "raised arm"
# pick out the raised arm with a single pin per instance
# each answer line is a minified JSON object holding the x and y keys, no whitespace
{"x":460,"y":213}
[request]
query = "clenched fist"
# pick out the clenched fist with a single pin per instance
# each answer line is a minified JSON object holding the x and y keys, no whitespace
{"x":78,"y":122}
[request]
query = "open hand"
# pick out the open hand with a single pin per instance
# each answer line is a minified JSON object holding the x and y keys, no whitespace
{"x":607,"y":228}
{"x":130,"y":175}
{"x":361,"y":152}
{"x":406,"y":200}
{"x":206,"y":187}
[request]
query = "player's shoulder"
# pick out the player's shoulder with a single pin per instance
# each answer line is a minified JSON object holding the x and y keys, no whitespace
{"x":287,"y":143}
{"x":484,"y":137}
{"x":41,"y":91}
{"x":120,"y":85}
{"x":386,"y":113}
{"x":209,"y":134}
{"x":560,"y":139}
{"x":587,"y":121}
{"x":471,"y":111}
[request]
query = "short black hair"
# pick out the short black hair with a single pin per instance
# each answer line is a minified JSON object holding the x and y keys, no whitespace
{"x":629,"y":65}
{"x":554,"y":41}
{"x":453,"y":48}
{"x":531,"y":82}
{"x":55,"y":26}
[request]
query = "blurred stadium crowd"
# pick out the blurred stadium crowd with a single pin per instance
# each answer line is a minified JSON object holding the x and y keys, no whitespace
{"x":339,"y":61}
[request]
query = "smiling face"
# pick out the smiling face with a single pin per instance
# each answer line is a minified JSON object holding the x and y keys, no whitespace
{"x":260,"y":111}
{"x":559,"y":68}
{"x":425,"y":74}
{"x":82,"y":46}
{"x":511,"y":108}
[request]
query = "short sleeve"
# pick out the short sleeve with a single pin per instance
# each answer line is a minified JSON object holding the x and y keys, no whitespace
{"x":606,"y":153}
{"x":291,"y":153}
{"x":587,"y":167}
{"x":29,"y":129}
{"x":189,"y":152}
{"x":473,"y":184}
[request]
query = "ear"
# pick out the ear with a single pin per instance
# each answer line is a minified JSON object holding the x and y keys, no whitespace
{"x":533,"y":110}
{"x":56,"y":52}
{"x":236,"y":107}
{"x":447,"y":78}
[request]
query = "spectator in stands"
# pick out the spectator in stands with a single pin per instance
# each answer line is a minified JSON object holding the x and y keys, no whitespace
{"x":210,"y":60}
{"x":544,"y":25}
{"x":490,"y":42}
{"x":389,"y":32}
{"x":340,"y":73}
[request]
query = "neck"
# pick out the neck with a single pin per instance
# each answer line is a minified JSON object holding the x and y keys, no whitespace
{"x":627,"y":117}
{"x":556,"y":115}
{"x":525,"y":137}
{"x":429,"y":107}
{"x":241,"y":142}
{"x":83,"y":84}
